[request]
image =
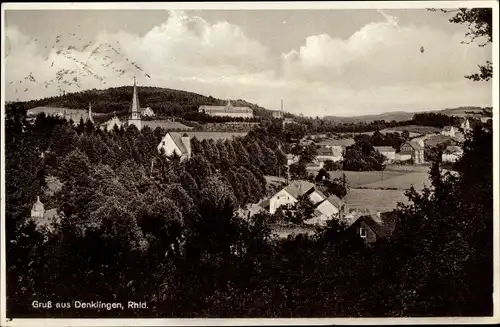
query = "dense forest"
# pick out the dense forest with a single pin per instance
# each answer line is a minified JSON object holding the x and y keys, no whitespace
{"x":136,"y":225}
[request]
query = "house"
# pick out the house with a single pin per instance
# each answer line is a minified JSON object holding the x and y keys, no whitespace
{"x":465,"y":125}
{"x":324,"y":154}
{"x":449,"y":131}
{"x":292,"y":159}
{"x":326,"y":210}
{"x":288,"y":121}
{"x":374,"y":227}
{"x":289,"y":195}
{"x":413,"y":149}
{"x":337,"y":144}
{"x":110,"y":124}
{"x":278,"y":114}
{"x":147,"y":112}
{"x":452,"y":153}
{"x":175,"y":143}
{"x":45,"y":220}
{"x":227,"y":111}
{"x":387,"y":151}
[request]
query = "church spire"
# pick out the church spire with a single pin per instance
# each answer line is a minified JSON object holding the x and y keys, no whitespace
{"x":135,"y":114}
{"x":90,"y":112}
{"x":135,"y":101}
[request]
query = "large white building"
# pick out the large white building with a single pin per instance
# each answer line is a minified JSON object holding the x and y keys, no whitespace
{"x":227,"y":111}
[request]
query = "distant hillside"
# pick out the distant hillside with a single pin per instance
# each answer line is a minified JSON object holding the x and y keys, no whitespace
{"x":402,"y":115}
{"x":163,"y":101}
{"x":388,"y":116}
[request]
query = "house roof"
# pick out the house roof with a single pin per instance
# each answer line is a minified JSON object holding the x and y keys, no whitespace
{"x":384,"y":148}
{"x":453,"y":148}
{"x":320,"y":194}
{"x":298,"y":188}
{"x":177,"y":138}
{"x":414,"y":144}
{"x":382,"y":226}
{"x":335,"y":200}
{"x":325,"y":151}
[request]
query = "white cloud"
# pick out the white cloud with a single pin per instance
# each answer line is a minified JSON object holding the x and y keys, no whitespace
{"x":378,"y":68}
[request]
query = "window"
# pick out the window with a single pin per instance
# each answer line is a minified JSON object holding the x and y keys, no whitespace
{"x":362,"y":232}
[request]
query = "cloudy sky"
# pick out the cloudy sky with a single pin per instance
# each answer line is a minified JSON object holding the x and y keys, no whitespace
{"x":322,"y":62}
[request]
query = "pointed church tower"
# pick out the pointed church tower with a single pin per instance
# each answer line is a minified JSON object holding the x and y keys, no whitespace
{"x":135,"y":114}
{"x":90,"y":113}
{"x":228,"y":105}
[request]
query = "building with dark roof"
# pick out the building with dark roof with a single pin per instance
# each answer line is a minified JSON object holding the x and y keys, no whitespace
{"x":175,"y":143}
{"x":374,"y":227}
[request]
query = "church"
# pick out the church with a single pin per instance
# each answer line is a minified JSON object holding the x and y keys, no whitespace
{"x":134,"y":117}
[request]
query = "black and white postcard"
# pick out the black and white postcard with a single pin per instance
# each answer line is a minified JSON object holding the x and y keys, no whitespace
{"x":249,"y":163}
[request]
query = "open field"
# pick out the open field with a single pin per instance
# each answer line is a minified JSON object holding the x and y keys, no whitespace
{"x":166,"y":124}
{"x":374,"y":200}
{"x":402,"y":182}
{"x":408,"y":168}
{"x":360,"y":178}
{"x":215,"y":135}
{"x":418,"y":129}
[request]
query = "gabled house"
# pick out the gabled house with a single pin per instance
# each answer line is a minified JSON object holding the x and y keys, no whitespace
{"x":465,"y":125}
{"x":413,"y":149}
{"x":329,"y":153}
{"x":449,"y":131}
{"x":289,"y":195}
{"x":374,"y":227}
{"x":110,"y":124}
{"x":175,"y":143}
{"x":326,"y":210}
{"x":452,"y":153}
{"x":147,"y":112}
{"x":387,"y":151}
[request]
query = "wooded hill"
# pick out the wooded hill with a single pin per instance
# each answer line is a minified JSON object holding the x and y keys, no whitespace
{"x":164,"y":102}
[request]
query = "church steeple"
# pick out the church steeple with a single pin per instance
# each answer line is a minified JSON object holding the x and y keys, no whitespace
{"x":135,"y":102}
{"x":135,"y":113}
{"x":90,"y":112}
